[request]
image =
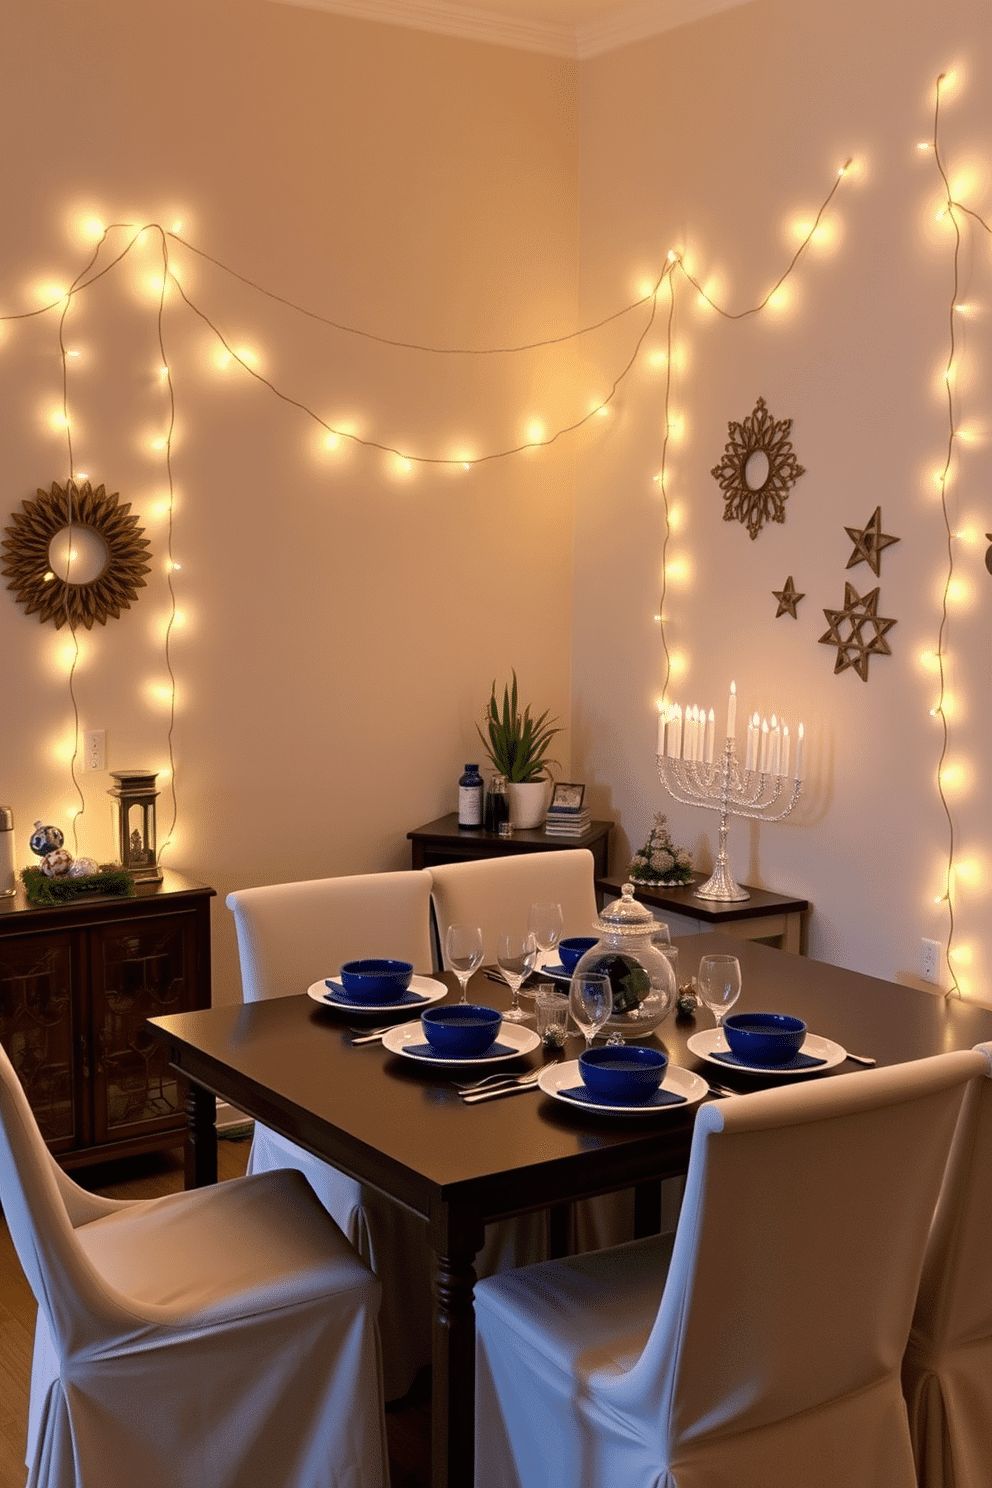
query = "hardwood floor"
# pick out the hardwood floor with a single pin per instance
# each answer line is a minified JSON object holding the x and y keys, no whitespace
{"x":407,"y":1423}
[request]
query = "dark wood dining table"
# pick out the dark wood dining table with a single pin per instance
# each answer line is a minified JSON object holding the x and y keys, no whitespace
{"x":401,"y":1127}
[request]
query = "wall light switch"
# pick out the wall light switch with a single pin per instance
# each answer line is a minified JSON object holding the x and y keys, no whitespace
{"x":95,"y":749}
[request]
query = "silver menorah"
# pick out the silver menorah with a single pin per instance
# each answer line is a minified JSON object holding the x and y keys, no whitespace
{"x":723,"y":785}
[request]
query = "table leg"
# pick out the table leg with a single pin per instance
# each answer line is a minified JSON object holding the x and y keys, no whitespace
{"x":453,"y":1351}
{"x":200,"y":1153}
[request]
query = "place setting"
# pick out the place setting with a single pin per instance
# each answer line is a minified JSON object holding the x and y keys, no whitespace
{"x":755,"y":1043}
{"x":376,"y":985}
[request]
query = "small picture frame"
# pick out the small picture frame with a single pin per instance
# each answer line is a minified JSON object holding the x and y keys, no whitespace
{"x":567,"y":796}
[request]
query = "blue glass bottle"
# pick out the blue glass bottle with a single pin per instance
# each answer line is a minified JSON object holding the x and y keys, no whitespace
{"x":471,"y":795}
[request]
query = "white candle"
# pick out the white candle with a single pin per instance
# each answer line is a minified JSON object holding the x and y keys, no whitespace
{"x":691,"y":751}
{"x":752,"y":744}
{"x":784,"y":767}
{"x":763,"y":758}
{"x":732,"y":711}
{"x":662,"y":717}
{"x":710,"y":736}
{"x":675,"y":732}
{"x":774,"y":746}
{"x":799,"y":752}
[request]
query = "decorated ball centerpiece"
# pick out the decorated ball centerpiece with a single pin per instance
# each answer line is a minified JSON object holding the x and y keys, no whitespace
{"x":45,"y":839}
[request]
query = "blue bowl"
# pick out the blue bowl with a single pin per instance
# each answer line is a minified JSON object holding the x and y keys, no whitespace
{"x":624,"y":1074}
{"x":764,"y":1038}
{"x":573,"y":949}
{"x":461,"y":1030}
{"x":376,"y":980}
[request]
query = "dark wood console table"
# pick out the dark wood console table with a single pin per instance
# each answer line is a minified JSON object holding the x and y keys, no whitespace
{"x":777,"y":918}
{"x":443,"y":841}
{"x":77,"y":983}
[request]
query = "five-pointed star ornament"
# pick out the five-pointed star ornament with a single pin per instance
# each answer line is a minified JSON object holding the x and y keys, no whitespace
{"x":869,"y":542}
{"x":866,"y":635}
{"x":787,"y":598}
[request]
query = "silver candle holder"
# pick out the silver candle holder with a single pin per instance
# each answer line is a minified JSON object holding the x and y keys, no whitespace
{"x":724,"y":786}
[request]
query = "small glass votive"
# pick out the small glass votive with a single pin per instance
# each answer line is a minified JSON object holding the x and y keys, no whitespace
{"x":551,"y":1009}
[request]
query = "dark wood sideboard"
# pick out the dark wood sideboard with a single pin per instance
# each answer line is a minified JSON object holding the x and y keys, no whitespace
{"x":77,"y":982}
{"x":443,"y":841}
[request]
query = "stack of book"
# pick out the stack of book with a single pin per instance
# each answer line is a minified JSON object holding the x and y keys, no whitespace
{"x":566,"y":821}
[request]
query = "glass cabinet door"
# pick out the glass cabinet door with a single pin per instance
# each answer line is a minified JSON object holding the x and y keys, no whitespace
{"x":138,"y":970}
{"x":39,"y":1030}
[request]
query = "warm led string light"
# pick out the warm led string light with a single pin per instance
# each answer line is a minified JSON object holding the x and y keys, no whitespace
{"x":945,"y":775}
{"x":676,"y":262}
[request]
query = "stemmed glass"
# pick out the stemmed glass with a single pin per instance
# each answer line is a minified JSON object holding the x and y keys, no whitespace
{"x":463,"y":952}
{"x":545,"y":924}
{"x":515,"y":955}
{"x":590,"y":999}
{"x":719,"y":986}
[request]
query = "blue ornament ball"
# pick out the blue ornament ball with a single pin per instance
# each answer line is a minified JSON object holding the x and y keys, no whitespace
{"x":45,"y":839}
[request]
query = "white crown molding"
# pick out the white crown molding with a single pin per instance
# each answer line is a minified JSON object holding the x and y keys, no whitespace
{"x":631,"y":24}
{"x":452,"y":20}
{"x":638,"y":22}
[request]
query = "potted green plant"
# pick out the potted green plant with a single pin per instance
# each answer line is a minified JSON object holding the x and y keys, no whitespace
{"x":517,"y":745}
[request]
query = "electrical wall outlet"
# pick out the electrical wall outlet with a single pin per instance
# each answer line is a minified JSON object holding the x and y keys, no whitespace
{"x":95,"y":749}
{"x":930,"y":961}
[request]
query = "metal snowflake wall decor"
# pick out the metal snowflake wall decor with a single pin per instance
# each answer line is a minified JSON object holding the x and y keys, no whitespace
{"x":746,"y":501}
{"x":28,"y":562}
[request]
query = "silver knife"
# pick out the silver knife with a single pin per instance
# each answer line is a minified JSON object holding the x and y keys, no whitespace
{"x":484,"y":1095}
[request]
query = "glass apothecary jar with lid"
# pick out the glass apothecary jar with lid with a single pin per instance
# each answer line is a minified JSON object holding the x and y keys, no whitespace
{"x":641,"y":976}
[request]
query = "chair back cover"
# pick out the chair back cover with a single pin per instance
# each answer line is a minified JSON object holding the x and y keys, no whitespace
{"x":290,"y":936}
{"x":497,"y":893}
{"x":225,"y":1335}
{"x":293,"y":934}
{"x":947,"y":1373}
{"x":33,"y":1193}
{"x":793,"y":1278}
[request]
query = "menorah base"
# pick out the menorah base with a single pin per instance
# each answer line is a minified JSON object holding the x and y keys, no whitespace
{"x":721,"y":885}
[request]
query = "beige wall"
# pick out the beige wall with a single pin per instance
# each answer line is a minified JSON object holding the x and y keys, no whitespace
{"x":342,"y":623}
{"x":712,"y":139}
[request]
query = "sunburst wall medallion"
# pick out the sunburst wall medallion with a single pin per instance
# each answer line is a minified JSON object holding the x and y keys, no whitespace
{"x":28,"y":561}
{"x":751,"y":495}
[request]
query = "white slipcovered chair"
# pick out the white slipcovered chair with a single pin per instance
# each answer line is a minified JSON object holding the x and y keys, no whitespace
{"x":289,"y":936}
{"x":761,"y":1348}
{"x":497,"y":893}
{"x":947,"y":1372}
{"x":225,"y":1336}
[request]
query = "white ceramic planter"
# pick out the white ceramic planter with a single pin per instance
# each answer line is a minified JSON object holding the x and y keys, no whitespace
{"x":528,"y":802}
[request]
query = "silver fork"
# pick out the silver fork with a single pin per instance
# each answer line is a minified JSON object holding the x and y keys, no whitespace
{"x":490,"y":1080}
{"x":522,"y":1082}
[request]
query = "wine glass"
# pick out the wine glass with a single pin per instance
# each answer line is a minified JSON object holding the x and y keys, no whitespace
{"x":515,"y":955}
{"x":719,"y":986}
{"x":590,"y":999}
{"x":545,"y":924}
{"x":463,"y":952}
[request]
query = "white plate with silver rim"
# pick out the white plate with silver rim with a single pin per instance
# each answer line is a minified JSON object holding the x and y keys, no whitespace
{"x":704,"y":1042}
{"x":427,"y":989}
{"x":406,"y":1038}
{"x":555,"y":1079}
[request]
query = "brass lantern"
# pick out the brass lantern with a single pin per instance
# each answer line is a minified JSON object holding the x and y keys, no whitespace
{"x":135,"y":796}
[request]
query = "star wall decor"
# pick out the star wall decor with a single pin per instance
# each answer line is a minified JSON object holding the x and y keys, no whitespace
{"x":745,"y":501}
{"x":869,"y":542}
{"x":787,"y":598}
{"x":866,"y":634}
